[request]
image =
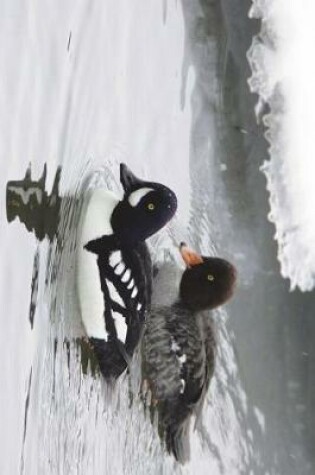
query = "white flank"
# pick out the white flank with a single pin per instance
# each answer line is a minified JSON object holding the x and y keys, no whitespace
{"x":91,"y":298}
{"x":114,"y":295}
{"x":120,"y":325}
{"x":139,"y":306}
{"x":95,"y":224}
{"x":136,"y":196}
{"x":96,"y":221}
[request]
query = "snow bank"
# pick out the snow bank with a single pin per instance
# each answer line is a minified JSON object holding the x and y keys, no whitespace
{"x":283,"y":69}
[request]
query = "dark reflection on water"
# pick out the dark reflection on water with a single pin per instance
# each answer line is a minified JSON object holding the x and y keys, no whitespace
{"x":42,"y":213}
{"x":34,"y":288}
{"x":26,"y":410}
{"x":38,"y":210}
{"x":84,"y":354}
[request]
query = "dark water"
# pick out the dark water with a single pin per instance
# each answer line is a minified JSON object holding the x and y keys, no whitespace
{"x":274,"y":328}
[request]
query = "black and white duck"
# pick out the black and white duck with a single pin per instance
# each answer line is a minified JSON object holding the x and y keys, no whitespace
{"x":114,"y":272}
{"x":179,"y":344}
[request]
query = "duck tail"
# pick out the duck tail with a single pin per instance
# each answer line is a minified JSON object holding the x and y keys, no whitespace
{"x":177,"y":442}
{"x":111,"y":362}
{"x":176,"y":434}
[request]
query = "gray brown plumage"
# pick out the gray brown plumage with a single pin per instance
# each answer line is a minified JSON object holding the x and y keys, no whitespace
{"x":179,"y":348}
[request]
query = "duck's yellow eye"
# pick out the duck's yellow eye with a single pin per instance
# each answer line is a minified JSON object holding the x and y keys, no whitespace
{"x":151,"y":206}
{"x":210,"y":277}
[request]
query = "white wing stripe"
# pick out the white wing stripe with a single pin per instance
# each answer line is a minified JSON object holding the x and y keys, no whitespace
{"x":119,"y":269}
{"x":114,"y":295}
{"x":120,"y":325}
{"x":115,"y":258}
{"x":134,"y":293}
{"x":126,"y":276}
{"x":131,"y":284}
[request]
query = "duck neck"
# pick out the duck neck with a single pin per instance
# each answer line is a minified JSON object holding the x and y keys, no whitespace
{"x":182,"y":309}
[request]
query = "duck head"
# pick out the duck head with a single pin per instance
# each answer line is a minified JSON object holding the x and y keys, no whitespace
{"x":144,"y":210}
{"x":207,"y":282}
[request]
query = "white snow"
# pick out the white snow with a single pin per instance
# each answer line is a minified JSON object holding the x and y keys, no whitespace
{"x":283,"y":66}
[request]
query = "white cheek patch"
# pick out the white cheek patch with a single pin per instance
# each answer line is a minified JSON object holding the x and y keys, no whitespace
{"x":114,"y":295}
{"x":120,"y":325}
{"x":137,"y":195}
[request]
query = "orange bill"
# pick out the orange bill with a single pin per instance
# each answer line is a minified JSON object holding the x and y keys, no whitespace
{"x":191,"y":258}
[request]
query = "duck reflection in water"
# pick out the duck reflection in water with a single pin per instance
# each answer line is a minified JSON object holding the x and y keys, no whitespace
{"x":28,"y":200}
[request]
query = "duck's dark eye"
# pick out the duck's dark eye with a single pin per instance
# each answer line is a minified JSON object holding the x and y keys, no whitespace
{"x":151,"y":206}
{"x":210,"y":277}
